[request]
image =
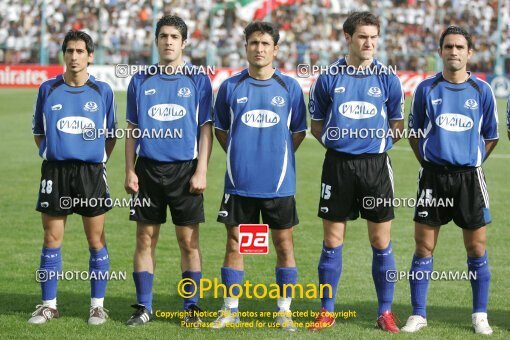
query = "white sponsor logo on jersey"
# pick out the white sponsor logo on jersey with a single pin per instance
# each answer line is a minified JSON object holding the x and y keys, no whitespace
{"x":374,"y":91}
{"x":423,"y":213}
{"x":56,"y":107}
{"x":454,"y":122}
{"x":150,"y":92}
{"x":90,"y":107}
{"x":471,"y":104}
{"x":45,"y":204}
{"x":184,"y":92}
{"x":242,"y":100}
{"x":324,"y":209}
{"x":75,"y":125}
{"x":278,"y":101}
{"x":166,"y":112}
{"x":357,"y":110}
{"x":260,"y":118}
{"x":340,"y":89}
{"x":436,"y":101}
{"x":223,"y":213}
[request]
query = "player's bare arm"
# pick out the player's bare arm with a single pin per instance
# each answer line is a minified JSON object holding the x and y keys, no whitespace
{"x":109,"y":145}
{"x":39,"y":138}
{"x":397,"y":128}
{"x":316,"y":129}
{"x":198,"y":181}
{"x":414,"y":142}
{"x":221,"y":136}
{"x":297,"y":138}
{"x":489,"y":146}
{"x":131,"y":182}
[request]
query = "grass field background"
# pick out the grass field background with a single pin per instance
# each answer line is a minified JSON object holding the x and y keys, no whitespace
{"x":449,"y":303}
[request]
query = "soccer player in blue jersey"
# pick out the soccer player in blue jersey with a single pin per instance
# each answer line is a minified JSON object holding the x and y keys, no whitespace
{"x":68,"y":106}
{"x":357,"y":95}
{"x":260,"y":121}
{"x":457,"y":114}
{"x":170,"y":171}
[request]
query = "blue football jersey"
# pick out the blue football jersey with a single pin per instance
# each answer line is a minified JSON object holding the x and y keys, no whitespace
{"x":169,"y":111}
{"x":356,"y":108}
{"x":260,"y":117}
{"x":65,"y":114}
{"x":455,"y":120}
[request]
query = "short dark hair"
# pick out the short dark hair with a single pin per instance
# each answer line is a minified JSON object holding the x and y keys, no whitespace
{"x":175,"y":21}
{"x":456,"y":30}
{"x":360,"y":19}
{"x":264,"y":27}
{"x":78,"y":35}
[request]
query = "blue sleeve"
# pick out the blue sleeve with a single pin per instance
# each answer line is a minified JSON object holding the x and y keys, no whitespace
{"x":205,"y":101}
{"x":508,"y":114}
{"x":490,"y":115}
{"x":111,"y":111}
{"x":298,"y":119}
{"x":320,"y":99}
{"x":396,"y":99}
{"x":38,"y":120}
{"x":417,"y":115}
{"x":222,"y":109}
{"x":132,"y":107}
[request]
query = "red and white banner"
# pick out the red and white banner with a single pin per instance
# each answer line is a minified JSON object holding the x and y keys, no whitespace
{"x":27,"y":75}
{"x":34,"y":75}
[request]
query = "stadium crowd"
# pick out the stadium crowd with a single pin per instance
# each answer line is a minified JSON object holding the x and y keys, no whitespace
{"x":311,"y":29}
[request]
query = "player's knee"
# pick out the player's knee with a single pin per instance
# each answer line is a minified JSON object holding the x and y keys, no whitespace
{"x":475,"y":249}
{"x":380,"y":241}
{"x":95,"y":243}
{"x":52,"y":240}
{"x":232,"y":245}
{"x":333,"y":241}
{"x":232,"y":248}
{"x":143,"y":242}
{"x":187,"y":245}
{"x":424,"y":249}
{"x":95,"y":240}
{"x":53,"y":236}
{"x":284,"y":248}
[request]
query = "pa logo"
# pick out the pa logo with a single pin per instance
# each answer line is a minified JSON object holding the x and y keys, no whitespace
{"x":90,"y":106}
{"x":471,"y":104}
{"x":184,"y":92}
{"x":374,"y":91}
{"x":253,"y":238}
{"x":278,"y":101}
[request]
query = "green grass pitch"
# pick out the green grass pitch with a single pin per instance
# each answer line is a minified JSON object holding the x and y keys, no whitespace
{"x":449,"y":303}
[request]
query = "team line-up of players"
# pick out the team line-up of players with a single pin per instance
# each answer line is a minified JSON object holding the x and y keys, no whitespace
{"x":259,"y":119}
